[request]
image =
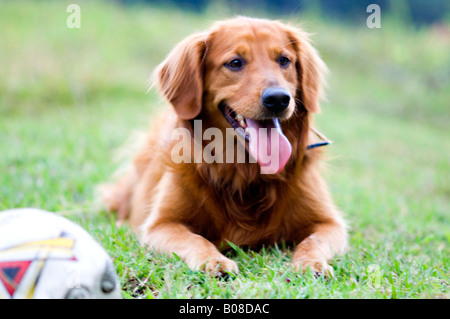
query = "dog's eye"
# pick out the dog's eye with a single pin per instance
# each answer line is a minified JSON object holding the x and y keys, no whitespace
{"x":283,"y":61}
{"x":235,"y":64}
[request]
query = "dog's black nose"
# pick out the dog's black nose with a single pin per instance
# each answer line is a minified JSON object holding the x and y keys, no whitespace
{"x":275,"y":99}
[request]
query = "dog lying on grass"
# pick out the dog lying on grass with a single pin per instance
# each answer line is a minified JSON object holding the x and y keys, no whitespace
{"x":260,"y":82}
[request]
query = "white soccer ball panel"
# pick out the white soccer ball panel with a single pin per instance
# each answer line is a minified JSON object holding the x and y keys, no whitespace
{"x":43,"y":255}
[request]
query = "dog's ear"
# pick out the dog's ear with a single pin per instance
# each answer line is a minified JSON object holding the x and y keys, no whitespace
{"x":180,"y":76}
{"x":310,"y":69}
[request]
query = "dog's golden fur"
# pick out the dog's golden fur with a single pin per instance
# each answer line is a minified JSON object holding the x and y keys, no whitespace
{"x":191,"y":209}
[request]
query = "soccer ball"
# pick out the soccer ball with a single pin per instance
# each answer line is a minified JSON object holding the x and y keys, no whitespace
{"x":43,"y":255}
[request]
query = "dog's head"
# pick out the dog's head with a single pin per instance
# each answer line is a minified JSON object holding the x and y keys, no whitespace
{"x":247,"y":74}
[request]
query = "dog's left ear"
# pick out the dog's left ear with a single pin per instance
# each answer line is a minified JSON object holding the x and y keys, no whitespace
{"x":310,"y":69}
{"x":180,"y":76}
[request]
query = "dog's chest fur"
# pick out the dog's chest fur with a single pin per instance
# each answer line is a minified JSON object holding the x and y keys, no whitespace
{"x":249,"y":218}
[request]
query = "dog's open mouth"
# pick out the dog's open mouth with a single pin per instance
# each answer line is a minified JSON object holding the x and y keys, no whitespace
{"x":237,"y":121}
{"x":267,"y":143}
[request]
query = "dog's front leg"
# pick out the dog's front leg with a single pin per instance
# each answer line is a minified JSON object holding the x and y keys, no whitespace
{"x":325,"y":240}
{"x":164,"y":232}
{"x":195,"y":250}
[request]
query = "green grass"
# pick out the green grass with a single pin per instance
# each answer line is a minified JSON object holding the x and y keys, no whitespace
{"x":70,"y":98}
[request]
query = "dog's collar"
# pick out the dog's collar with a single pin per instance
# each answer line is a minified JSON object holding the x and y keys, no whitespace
{"x":323,"y":140}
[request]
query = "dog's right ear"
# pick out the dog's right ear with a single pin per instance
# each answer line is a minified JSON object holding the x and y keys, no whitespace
{"x":180,"y":76}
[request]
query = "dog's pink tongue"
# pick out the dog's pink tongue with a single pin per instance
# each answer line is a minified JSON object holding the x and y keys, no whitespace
{"x":268,"y":145}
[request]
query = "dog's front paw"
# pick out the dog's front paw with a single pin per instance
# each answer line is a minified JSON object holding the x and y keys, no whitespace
{"x":219,"y":265}
{"x":316,"y":266}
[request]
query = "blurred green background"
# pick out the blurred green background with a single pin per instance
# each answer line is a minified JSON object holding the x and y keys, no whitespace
{"x":69,"y":98}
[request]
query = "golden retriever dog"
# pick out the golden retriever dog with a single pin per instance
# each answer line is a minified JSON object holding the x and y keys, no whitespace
{"x":240,"y":76}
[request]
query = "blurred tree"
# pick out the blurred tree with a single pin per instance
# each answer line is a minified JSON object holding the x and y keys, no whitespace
{"x":348,"y":10}
{"x":429,"y":11}
{"x":418,"y":12}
